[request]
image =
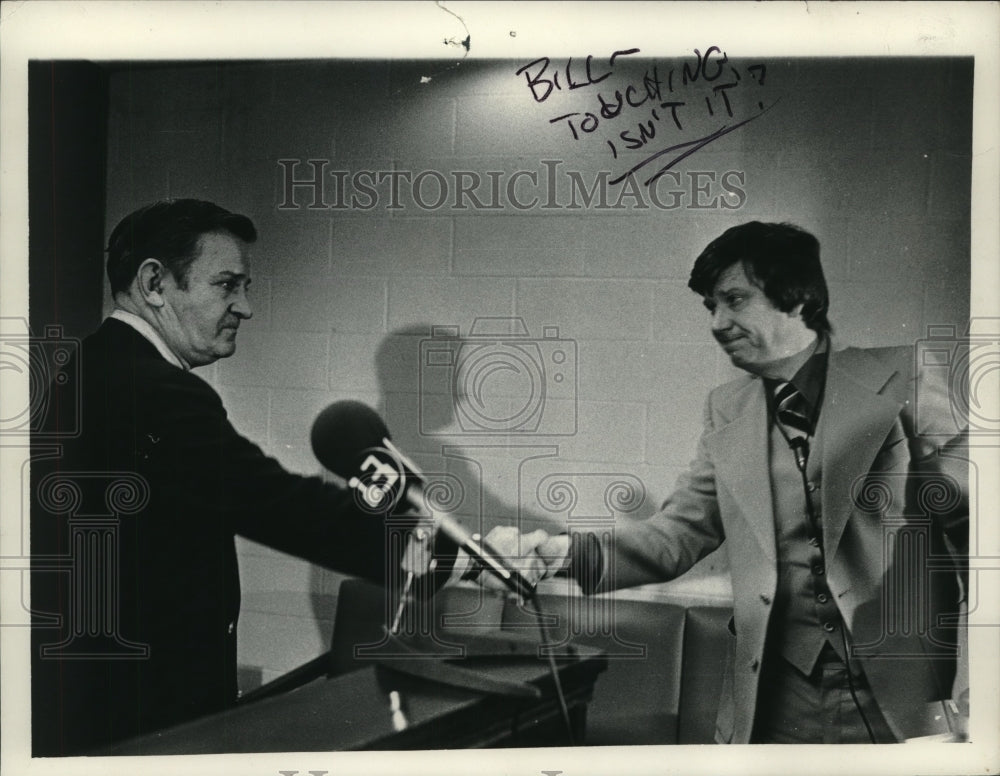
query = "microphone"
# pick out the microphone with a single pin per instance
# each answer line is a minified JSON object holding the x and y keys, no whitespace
{"x":351,"y":440}
{"x":800,"y":447}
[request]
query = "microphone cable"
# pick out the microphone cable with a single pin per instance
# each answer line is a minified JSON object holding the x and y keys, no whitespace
{"x":553,"y":669}
{"x":532,"y":598}
{"x":851,"y":687}
{"x":528,"y":597}
{"x":800,"y":449}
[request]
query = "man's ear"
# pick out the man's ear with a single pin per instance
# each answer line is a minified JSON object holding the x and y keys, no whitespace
{"x":150,"y":281}
{"x":796,"y":312}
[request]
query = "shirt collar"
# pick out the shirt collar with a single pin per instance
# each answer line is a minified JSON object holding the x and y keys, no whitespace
{"x":149,"y":333}
{"x":810,"y":379}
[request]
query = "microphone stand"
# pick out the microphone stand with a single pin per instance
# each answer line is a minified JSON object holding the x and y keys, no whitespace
{"x":416,"y":561}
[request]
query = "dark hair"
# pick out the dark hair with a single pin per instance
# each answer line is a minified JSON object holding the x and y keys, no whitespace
{"x":780,"y":259}
{"x":168,"y":230}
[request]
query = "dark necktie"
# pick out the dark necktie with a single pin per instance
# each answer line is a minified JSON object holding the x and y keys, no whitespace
{"x":792,"y":410}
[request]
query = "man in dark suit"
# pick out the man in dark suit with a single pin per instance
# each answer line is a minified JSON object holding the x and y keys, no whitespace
{"x":138,"y":630}
{"x":836,"y":479}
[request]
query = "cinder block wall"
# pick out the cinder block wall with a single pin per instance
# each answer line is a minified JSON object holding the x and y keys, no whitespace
{"x":873,"y":156}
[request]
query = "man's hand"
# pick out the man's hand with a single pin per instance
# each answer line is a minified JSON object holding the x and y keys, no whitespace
{"x":536,"y":555}
{"x":554,"y":551}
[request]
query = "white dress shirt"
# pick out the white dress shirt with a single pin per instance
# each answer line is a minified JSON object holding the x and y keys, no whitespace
{"x":149,"y":333}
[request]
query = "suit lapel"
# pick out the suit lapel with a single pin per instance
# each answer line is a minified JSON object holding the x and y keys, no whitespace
{"x":739,"y":450}
{"x":854,"y":422}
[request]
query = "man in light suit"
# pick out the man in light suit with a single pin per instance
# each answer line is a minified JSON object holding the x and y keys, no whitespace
{"x":835,"y":479}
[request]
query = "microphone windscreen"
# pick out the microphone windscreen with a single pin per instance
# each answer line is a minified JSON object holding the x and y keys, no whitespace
{"x":342,"y":431}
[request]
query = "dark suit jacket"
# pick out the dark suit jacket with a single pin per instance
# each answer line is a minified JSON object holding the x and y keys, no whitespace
{"x":138,"y":629}
{"x":894,"y":483}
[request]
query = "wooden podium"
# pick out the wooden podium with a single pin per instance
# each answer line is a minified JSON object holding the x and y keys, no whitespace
{"x":393,"y":702}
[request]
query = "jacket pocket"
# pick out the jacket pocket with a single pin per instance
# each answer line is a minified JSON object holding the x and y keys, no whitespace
{"x":893,"y":453}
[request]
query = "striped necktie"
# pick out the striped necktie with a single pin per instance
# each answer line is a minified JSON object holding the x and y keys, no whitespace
{"x":792,"y":410}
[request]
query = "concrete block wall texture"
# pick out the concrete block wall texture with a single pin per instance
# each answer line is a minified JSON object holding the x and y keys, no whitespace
{"x":872,"y":155}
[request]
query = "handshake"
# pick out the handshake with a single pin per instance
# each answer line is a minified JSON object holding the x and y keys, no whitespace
{"x":535,"y":556}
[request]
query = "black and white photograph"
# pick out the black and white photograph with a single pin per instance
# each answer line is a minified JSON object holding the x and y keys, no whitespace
{"x":526,"y":388}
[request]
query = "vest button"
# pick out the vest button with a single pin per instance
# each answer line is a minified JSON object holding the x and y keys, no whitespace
{"x":822,"y":598}
{"x":829,"y":627}
{"x":812,"y":487}
{"x":818,"y":570}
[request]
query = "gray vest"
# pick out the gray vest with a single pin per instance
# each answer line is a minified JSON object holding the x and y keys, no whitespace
{"x":805,"y":616}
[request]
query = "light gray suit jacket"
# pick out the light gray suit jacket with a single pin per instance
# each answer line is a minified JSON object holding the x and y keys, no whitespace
{"x":894,"y":483}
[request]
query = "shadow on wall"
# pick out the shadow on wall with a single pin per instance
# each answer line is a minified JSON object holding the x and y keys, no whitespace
{"x":420,"y":406}
{"x":453,"y":404}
